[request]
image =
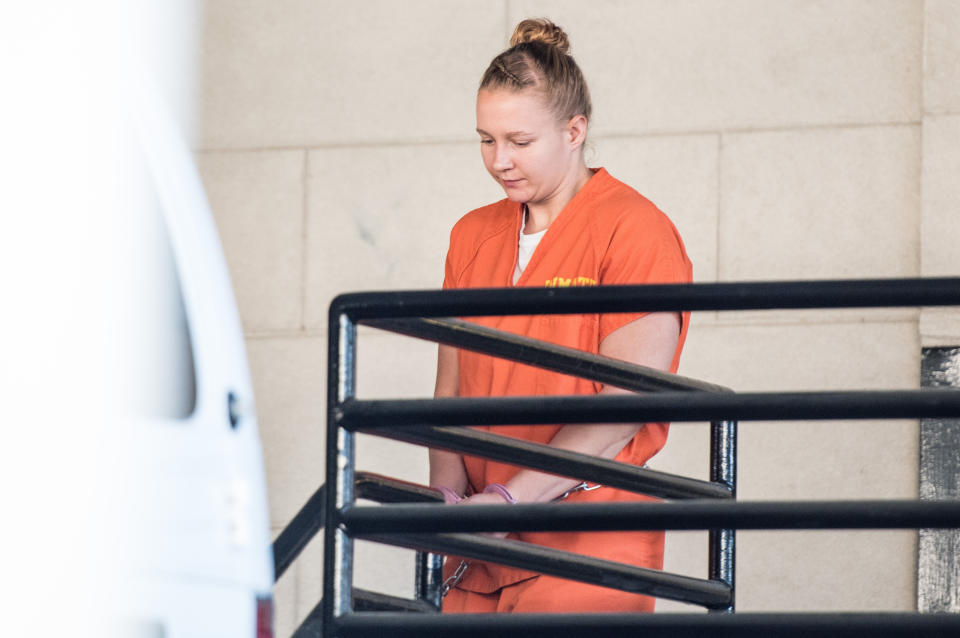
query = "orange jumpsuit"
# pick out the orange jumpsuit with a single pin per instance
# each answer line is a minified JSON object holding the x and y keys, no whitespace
{"x":608,"y":234}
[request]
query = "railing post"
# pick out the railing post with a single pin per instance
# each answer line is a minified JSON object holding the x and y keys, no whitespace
{"x":338,"y":546}
{"x":429,"y":578}
{"x":723,"y":469}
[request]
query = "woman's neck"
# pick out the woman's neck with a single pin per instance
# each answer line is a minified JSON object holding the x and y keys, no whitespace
{"x":541,"y":214}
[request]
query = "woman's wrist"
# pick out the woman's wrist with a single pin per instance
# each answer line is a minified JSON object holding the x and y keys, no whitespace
{"x":449,"y":496}
{"x":528,"y":486}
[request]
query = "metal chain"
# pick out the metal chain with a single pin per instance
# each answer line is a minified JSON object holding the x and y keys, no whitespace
{"x":454,"y":578}
{"x":583,"y":487}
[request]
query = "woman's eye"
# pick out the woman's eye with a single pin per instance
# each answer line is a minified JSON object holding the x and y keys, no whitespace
{"x":487,"y":142}
{"x":524,"y":143}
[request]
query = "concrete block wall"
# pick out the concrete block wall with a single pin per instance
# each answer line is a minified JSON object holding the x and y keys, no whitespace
{"x":789,"y":140}
{"x":940,"y":217}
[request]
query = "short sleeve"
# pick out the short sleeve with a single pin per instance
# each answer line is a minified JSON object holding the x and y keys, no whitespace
{"x":644,"y":248}
{"x":450,"y":271}
{"x":449,"y":278}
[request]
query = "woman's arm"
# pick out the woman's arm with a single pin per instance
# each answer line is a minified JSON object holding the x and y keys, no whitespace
{"x":650,"y":341}
{"x":446,"y":468}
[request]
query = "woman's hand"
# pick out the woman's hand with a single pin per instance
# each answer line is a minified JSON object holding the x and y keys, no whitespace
{"x":485,"y":499}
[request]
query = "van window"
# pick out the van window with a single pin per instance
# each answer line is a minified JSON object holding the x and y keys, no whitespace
{"x":177,"y":381}
{"x":155,"y":353}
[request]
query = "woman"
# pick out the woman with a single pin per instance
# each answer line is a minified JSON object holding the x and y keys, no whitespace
{"x":561,"y":224}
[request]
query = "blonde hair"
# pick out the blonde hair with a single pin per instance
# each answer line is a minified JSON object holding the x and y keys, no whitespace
{"x":539,"y":59}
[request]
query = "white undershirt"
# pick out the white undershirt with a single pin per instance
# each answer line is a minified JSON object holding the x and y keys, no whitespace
{"x":525,"y":247}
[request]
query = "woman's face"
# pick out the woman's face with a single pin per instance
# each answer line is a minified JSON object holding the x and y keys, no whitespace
{"x":524,"y":148}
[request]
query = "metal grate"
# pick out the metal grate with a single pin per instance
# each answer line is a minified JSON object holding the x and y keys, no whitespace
{"x":697,"y":505}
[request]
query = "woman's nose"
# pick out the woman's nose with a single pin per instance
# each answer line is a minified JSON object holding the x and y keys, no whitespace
{"x":502,"y":159}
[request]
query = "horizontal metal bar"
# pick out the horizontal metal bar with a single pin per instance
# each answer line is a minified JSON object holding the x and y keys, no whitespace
{"x":309,"y":520}
{"x":560,"y":462}
{"x":666,"y":406}
{"x":312,"y":625}
{"x":748,"y":625}
{"x":860,"y":293}
{"x":298,"y":532}
{"x":555,"y":562}
{"x":364,"y":600}
{"x":685,"y":515}
{"x":384,"y":489}
{"x":542,"y":354}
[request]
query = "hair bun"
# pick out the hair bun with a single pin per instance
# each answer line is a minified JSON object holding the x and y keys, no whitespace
{"x":540,"y":30}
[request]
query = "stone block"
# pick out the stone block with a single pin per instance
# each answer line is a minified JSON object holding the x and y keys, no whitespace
{"x":802,"y":357}
{"x":816,"y":460}
{"x":661,"y":65}
{"x":309,"y":73}
{"x":391,"y":366}
{"x":831,"y":570}
{"x":939,"y":327}
{"x":940,"y":228}
{"x":385,"y":569}
{"x":678,"y":173}
{"x":288,"y":379}
{"x":941,"y":196}
{"x":819,"y":460}
{"x":941,"y":73}
{"x":820,"y":204}
{"x":392,"y":458}
{"x":828,"y":460}
{"x":687,"y":451}
{"x":257,"y":202}
{"x":391,"y":230}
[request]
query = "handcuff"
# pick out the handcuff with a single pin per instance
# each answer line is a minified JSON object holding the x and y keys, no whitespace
{"x":454,"y":579}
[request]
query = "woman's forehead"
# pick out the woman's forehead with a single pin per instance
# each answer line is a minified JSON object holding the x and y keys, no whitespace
{"x":512,"y":111}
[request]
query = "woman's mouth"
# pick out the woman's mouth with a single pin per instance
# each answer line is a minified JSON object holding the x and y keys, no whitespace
{"x":511,"y":183}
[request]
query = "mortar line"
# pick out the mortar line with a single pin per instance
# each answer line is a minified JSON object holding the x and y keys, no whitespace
{"x":304,"y":244}
{"x":923,"y":109}
{"x":923,"y":58}
{"x":719,"y":202}
{"x":780,"y":318}
{"x":761,"y":129}
{"x":605,"y":135}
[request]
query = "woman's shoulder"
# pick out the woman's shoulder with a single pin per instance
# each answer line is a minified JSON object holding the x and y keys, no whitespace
{"x":635,"y":241}
{"x":481,"y":223}
{"x":616,"y":204}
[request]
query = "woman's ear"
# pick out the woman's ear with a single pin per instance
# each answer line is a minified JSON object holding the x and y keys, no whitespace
{"x":576,"y":131}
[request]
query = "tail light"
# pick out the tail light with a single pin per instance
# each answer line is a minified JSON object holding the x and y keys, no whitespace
{"x":264,"y":617}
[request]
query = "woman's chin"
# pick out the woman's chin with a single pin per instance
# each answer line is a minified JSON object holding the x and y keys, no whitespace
{"x":514,"y":196}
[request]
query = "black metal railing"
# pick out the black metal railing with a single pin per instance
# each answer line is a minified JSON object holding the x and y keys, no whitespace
{"x":698,"y":504}
{"x":310,"y":520}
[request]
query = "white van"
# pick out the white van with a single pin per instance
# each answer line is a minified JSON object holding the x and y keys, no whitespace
{"x":200,"y":561}
{"x":133,"y":488}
